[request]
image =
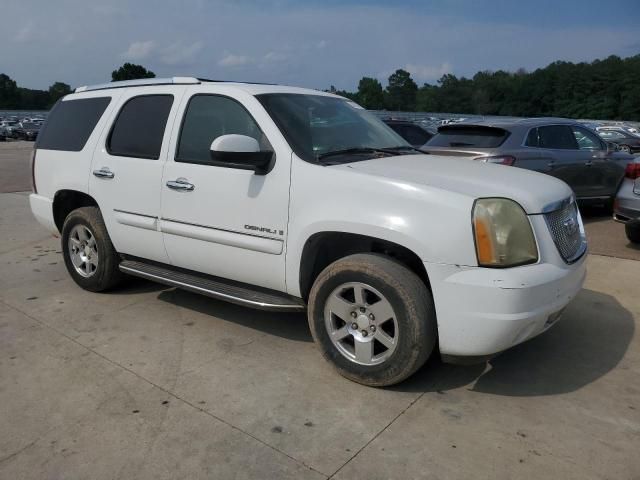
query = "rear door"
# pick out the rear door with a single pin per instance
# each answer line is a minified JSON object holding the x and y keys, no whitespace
{"x":127,"y":169}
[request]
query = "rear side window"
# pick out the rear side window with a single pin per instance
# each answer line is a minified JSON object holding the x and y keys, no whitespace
{"x":559,"y":137}
{"x":472,"y":136}
{"x":70,"y":123}
{"x":139,"y":127}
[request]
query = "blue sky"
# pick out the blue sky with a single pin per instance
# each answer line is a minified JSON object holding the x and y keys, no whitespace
{"x":314,"y":43}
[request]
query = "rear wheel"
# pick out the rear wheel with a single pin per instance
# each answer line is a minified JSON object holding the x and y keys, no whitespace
{"x":372,"y":318}
{"x":633,"y":232}
{"x":88,"y":252}
{"x":625,"y":148}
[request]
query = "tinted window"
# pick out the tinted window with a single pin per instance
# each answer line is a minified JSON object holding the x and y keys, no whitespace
{"x":587,"y":140}
{"x":139,"y":128}
{"x":532,"y":138}
{"x":207,"y":118}
{"x":557,"y":137}
{"x":70,"y":123}
{"x":415,"y":135}
{"x":472,"y":136}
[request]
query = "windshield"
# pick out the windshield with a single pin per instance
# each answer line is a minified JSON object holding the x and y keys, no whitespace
{"x":316,"y":125}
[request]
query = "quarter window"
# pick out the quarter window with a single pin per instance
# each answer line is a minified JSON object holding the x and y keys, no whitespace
{"x":139,"y":128}
{"x":209,"y":117}
{"x":587,"y":140}
{"x":70,"y":123}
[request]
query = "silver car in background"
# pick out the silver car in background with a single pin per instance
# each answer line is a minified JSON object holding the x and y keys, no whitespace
{"x":559,"y":147}
{"x":626,"y":208}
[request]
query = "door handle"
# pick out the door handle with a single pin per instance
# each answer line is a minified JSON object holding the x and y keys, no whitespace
{"x":588,"y":163}
{"x":181,"y":184}
{"x":104,"y":172}
{"x":551,"y":164}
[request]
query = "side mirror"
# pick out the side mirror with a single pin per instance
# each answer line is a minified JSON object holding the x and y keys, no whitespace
{"x":241,"y":151}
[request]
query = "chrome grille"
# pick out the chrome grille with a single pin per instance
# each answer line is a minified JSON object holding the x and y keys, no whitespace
{"x":565,"y":225}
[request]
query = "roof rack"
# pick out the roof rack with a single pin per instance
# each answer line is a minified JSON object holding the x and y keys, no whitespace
{"x":140,"y":83}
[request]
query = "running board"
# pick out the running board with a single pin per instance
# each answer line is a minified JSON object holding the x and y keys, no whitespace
{"x":219,"y":288}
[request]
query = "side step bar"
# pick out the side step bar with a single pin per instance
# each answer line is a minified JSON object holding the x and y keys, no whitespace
{"x":222,"y":289}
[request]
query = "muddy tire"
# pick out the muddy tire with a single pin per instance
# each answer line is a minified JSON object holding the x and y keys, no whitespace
{"x":373,"y":319}
{"x":88,"y":252}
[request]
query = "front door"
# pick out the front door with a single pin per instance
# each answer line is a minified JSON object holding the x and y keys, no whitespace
{"x":220,"y":220}
{"x":127,"y":169}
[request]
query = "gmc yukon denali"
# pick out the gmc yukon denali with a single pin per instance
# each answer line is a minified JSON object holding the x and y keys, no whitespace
{"x":289,"y":199}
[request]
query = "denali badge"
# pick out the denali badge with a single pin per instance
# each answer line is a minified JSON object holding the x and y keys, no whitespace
{"x":264,"y":229}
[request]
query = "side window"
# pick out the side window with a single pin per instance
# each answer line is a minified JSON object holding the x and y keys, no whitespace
{"x":207,"y":118}
{"x":139,"y":127}
{"x":587,"y":140}
{"x":70,"y":123}
{"x":558,"y":137}
{"x":532,"y":138}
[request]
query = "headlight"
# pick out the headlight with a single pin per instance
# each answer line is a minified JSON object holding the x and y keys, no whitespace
{"x":502,"y":233}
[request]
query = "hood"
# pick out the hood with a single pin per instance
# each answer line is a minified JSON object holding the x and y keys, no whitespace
{"x":532,"y":190}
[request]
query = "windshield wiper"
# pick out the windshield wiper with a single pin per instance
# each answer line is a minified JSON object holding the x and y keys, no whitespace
{"x":405,"y":147}
{"x":356,"y":150}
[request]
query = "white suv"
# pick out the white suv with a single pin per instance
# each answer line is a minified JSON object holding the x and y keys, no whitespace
{"x":284,"y":198}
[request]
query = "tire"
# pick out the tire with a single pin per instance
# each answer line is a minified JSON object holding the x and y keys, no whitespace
{"x":100,"y":272}
{"x":625,"y":148}
{"x":633,"y":232}
{"x":412,"y":324}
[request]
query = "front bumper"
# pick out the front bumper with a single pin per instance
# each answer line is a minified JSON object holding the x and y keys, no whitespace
{"x":482,"y":311}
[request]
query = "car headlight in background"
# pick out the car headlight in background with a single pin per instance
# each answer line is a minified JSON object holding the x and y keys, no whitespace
{"x":502,"y":233}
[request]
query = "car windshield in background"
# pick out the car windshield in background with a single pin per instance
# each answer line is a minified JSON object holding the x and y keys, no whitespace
{"x":318,"y":126}
{"x":30,"y":125}
{"x":472,"y":136}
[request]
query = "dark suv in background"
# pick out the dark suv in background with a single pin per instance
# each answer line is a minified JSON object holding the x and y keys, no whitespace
{"x":626,"y":141}
{"x":562,"y":148}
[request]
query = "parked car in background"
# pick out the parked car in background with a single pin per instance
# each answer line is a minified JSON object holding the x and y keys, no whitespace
{"x":3,"y":134}
{"x":559,"y":147}
{"x":416,"y":135}
{"x":9,"y":126}
{"x":626,"y":141}
{"x":626,"y":208}
{"x":26,"y":131}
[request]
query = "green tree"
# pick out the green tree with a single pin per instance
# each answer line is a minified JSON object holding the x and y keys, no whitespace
{"x":57,"y":91}
{"x":401,"y":91}
{"x":131,"y":71}
{"x":9,"y":95}
{"x":370,"y":94}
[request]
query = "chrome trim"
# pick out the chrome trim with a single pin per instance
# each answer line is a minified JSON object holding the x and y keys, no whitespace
{"x":181,"y":184}
{"x":557,"y":205}
{"x":104,"y":172}
{"x":211,"y":293}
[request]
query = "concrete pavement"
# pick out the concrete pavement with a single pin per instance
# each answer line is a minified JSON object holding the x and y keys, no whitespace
{"x":150,"y":382}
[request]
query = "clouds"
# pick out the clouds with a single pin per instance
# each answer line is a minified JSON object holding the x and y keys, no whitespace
{"x":139,"y":50}
{"x":314,"y":44}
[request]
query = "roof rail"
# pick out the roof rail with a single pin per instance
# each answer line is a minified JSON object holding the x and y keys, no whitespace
{"x":140,"y":83}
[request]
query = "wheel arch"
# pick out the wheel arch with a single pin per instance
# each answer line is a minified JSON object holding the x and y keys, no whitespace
{"x":323,"y":248}
{"x":65,"y":201}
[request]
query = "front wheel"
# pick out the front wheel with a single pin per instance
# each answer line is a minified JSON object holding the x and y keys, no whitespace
{"x":633,"y":232}
{"x":373,"y":319}
{"x":88,"y":252}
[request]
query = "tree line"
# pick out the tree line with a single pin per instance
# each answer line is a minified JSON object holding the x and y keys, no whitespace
{"x":606,"y":89}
